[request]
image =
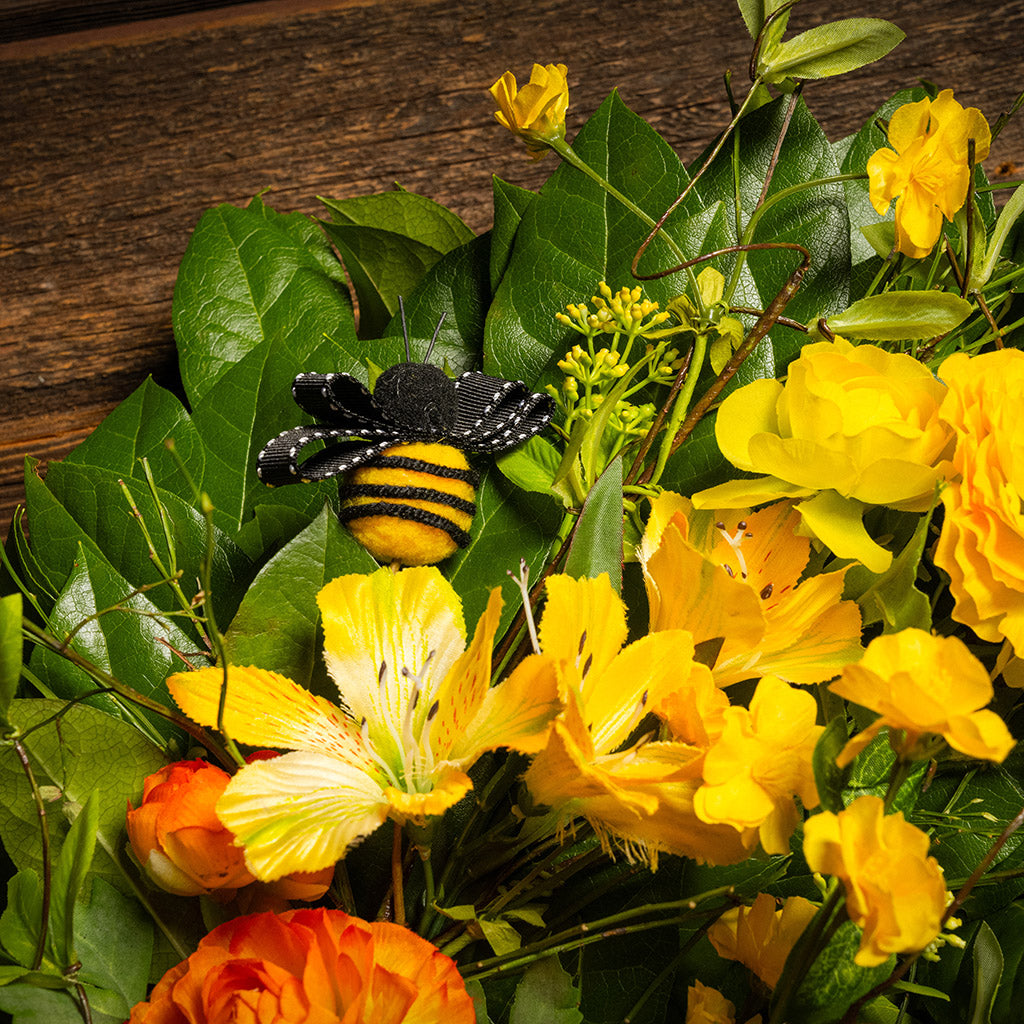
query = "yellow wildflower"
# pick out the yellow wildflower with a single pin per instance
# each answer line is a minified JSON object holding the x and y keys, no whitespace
{"x":982,"y":540}
{"x":895,"y":892}
{"x":734,"y":575}
{"x":762,"y":935}
{"x":418,"y":710}
{"x":641,"y":795}
{"x":706,"y":1005}
{"x":928,"y":173}
{"x":924,"y":685}
{"x":536,"y":113}
{"x":852,"y":426}
{"x":759,"y":763}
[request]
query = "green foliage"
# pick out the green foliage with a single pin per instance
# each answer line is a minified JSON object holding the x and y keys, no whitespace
{"x":546,"y":995}
{"x":10,"y":650}
{"x":596,"y":545}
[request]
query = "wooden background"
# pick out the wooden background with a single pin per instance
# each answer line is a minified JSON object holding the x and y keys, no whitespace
{"x":115,"y":139}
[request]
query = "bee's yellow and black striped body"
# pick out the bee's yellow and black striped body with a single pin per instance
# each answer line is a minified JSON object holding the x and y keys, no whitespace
{"x":411,"y":504}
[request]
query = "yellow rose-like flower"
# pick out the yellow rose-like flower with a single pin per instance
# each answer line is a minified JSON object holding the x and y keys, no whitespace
{"x":536,"y":113}
{"x":895,"y":892}
{"x":922,"y":685}
{"x":706,"y":1005}
{"x":735,"y":576}
{"x":852,"y":426}
{"x":982,"y":540}
{"x":928,"y":173}
{"x":761,"y":760}
{"x":761,"y":936}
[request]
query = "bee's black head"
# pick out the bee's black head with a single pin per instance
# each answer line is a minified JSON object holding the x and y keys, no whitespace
{"x":418,"y":396}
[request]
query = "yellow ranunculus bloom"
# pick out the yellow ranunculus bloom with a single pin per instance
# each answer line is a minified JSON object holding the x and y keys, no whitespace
{"x":982,"y":540}
{"x":706,"y":1005}
{"x":418,"y":710}
{"x":536,"y":113}
{"x":928,"y":173}
{"x":895,"y":892}
{"x":924,"y":685}
{"x":852,"y":426}
{"x":761,"y":936}
{"x":759,"y":763}
{"x":710,"y":575}
{"x":640,"y":795}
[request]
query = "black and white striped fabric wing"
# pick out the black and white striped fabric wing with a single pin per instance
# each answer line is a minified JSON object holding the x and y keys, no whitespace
{"x":494,"y":414}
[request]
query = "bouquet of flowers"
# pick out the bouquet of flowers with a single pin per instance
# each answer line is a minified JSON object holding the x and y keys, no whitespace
{"x":614,"y":616}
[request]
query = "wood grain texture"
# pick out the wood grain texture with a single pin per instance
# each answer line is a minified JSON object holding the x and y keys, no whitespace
{"x":116,"y":141}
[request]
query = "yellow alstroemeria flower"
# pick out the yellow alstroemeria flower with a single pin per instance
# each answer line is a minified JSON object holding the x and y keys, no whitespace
{"x":852,"y":426}
{"x":928,"y":173}
{"x":734,"y":575}
{"x":706,"y":1005}
{"x":642,"y":795}
{"x":759,"y":763}
{"x":895,"y":892}
{"x":536,"y":113}
{"x":418,"y":710}
{"x":762,"y":935}
{"x":924,"y":685}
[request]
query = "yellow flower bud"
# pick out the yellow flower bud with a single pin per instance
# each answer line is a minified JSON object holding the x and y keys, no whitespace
{"x":536,"y":113}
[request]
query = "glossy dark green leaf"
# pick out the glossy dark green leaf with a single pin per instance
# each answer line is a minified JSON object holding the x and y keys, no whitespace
{"x":574,"y":234}
{"x":388,"y":242}
{"x":114,"y":941}
{"x":277,"y":625}
{"x":508,"y":526}
{"x":253,"y":281}
{"x":456,"y":287}
{"x":510,"y":203}
{"x":987,"y":957}
{"x":124,"y":635}
{"x":29,"y":1004}
{"x":596,"y":545}
{"x":10,"y":649}
{"x":84,"y":751}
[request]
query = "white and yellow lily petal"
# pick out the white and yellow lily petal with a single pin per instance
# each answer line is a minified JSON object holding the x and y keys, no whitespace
{"x":417,"y":710}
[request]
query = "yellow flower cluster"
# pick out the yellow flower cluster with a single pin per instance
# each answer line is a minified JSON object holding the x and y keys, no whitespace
{"x":927,"y":170}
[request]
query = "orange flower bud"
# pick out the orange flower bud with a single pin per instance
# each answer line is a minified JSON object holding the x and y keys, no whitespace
{"x":176,"y":835}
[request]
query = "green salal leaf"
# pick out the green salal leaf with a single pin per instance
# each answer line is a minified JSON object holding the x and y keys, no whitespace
{"x":901,"y":316}
{"x":509,"y":525}
{"x":10,"y":649}
{"x":22,"y":917}
{"x":123,"y":634}
{"x":546,"y":995}
{"x":834,"y":982}
{"x":574,"y":234}
{"x":831,"y":49}
{"x":278,"y":623}
{"x":457,"y":287}
{"x":596,"y":545}
{"x":81,"y":752}
{"x":510,"y":204}
{"x":388,"y":242}
{"x":29,"y":1004}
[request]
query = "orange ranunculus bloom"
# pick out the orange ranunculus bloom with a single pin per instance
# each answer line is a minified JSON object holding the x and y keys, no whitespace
{"x":536,"y":113}
{"x":310,"y":966}
{"x":761,"y":936}
{"x":924,"y":685}
{"x":895,"y":892}
{"x":735,"y":575}
{"x":928,"y":173}
{"x":176,"y":835}
{"x":852,"y":426}
{"x":760,"y":763}
{"x":982,"y":540}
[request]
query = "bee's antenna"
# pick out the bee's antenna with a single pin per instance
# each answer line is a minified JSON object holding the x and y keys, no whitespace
{"x":437,"y":331}
{"x":405,"y":330}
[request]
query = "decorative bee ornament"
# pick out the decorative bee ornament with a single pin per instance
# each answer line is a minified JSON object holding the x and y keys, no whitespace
{"x":408,"y":493}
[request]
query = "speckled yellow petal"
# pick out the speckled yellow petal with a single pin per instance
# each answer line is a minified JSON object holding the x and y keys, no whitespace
{"x":267,"y":709}
{"x":300,"y":812}
{"x":584,"y":622}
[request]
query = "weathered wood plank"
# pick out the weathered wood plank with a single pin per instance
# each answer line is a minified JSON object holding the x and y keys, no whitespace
{"x":115,"y":142}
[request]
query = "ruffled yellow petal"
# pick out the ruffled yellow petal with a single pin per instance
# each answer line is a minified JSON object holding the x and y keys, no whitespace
{"x":300,"y":812}
{"x":266,"y":709}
